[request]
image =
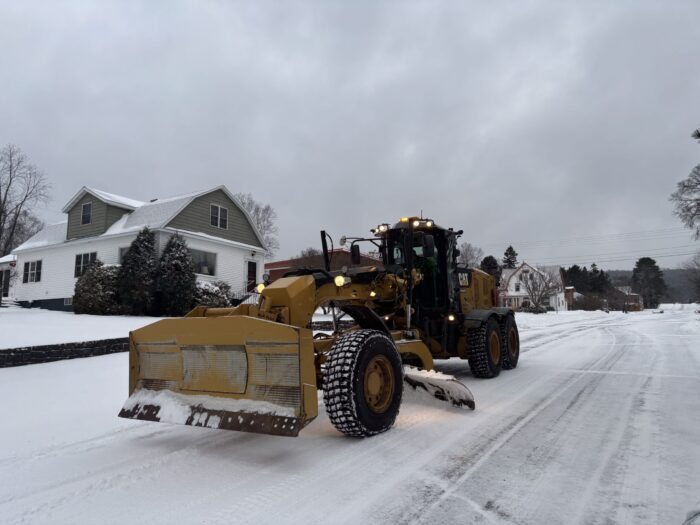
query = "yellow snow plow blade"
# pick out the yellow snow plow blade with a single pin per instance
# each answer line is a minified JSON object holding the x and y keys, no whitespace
{"x":230,"y":372}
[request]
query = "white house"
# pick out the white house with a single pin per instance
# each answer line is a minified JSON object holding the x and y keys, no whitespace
{"x":513,"y":290}
{"x":222,"y":237}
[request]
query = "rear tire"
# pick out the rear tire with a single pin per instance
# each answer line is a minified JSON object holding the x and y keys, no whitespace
{"x":485,"y":349}
{"x":511,"y":343}
{"x":363,"y":383}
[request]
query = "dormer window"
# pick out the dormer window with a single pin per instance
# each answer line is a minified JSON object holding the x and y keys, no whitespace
{"x":86,"y":217}
{"x":218,"y":216}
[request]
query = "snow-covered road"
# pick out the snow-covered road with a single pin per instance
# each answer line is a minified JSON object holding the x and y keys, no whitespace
{"x":600,"y":423}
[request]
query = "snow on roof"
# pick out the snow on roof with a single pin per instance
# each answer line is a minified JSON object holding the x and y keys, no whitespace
{"x":51,"y":234}
{"x":109,"y":198}
{"x":118,"y":200}
{"x":8,"y":258}
{"x":155,"y":215}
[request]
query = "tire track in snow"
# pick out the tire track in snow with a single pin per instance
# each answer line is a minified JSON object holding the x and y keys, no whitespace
{"x":478,"y":457}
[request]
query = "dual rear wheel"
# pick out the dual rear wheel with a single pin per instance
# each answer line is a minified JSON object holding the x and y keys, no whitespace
{"x":493,"y":347}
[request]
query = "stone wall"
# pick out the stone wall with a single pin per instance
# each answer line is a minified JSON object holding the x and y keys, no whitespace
{"x":30,"y":355}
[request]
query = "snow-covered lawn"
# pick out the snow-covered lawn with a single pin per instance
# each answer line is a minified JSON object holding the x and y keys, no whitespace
{"x":598,"y":424}
{"x":33,"y":326}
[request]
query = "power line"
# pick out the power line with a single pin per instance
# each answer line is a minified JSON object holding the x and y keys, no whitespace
{"x":592,"y":257}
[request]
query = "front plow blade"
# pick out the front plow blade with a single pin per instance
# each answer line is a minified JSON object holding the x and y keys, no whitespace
{"x":440,"y":386}
{"x":206,"y":411}
{"x":230,"y":372}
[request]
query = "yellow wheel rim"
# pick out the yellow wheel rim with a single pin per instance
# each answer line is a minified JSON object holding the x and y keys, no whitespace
{"x":379,"y":384}
{"x":495,"y":347}
{"x":512,"y":343}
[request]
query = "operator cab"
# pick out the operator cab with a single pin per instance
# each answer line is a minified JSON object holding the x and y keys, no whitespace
{"x":417,"y":243}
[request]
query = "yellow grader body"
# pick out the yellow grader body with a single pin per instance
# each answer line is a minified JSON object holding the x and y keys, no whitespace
{"x":259,"y":368}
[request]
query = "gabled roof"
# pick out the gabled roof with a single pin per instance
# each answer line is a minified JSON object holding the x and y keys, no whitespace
{"x":154,"y":215}
{"x":109,"y":198}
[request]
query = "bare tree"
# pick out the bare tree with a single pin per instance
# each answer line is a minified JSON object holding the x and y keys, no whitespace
{"x":693,"y":266}
{"x":470,"y":255}
{"x":541,"y":284}
{"x":696,"y":134}
{"x":264,"y":217}
{"x":22,"y":187}
{"x":686,"y":200}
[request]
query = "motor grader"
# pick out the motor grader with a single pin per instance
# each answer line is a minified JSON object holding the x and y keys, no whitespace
{"x":259,"y":367}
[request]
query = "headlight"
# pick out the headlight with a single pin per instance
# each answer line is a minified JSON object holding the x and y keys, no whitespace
{"x":372,"y":293}
{"x":416,"y":224}
{"x":260,"y":287}
{"x":451,"y":317}
{"x":383,"y":227}
{"x":340,"y":280}
{"x":429,"y":224}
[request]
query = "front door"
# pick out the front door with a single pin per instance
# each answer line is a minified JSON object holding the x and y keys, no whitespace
{"x":252,"y":275}
{"x":5,"y":280}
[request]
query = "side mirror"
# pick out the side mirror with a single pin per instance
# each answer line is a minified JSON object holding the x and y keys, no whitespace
{"x":343,"y":240}
{"x":355,"y":257}
{"x":428,"y":246}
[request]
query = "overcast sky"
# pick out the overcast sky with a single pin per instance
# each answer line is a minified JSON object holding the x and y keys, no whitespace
{"x":558,"y":127}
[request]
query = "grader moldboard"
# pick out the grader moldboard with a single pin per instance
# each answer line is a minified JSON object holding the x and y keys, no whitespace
{"x":258,"y":367}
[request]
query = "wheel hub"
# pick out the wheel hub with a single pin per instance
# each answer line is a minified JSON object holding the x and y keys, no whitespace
{"x":512,"y":342}
{"x":495,"y":347}
{"x":379,"y":384}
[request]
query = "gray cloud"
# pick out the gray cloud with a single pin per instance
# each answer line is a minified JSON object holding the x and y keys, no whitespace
{"x":516,"y":122}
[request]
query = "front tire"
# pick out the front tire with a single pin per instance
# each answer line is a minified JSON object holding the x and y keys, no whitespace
{"x":363,"y":383}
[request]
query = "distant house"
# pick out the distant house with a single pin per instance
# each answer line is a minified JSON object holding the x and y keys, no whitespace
{"x":622,"y":298}
{"x":224,"y":242}
{"x":339,"y":257}
{"x":513,"y":290}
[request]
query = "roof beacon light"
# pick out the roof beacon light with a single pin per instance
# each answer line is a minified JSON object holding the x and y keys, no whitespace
{"x":404,"y":219}
{"x":383,"y":227}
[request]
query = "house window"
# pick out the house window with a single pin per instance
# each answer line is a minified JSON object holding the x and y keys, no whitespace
{"x":218,"y":216}
{"x":122,"y":253}
{"x":517,"y":287}
{"x":32,"y":272}
{"x":82,"y":261}
{"x":204,"y":262}
{"x":86,"y":217}
{"x":67,"y":301}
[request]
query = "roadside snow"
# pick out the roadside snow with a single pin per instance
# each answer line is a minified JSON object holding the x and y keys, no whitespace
{"x":32,"y":326}
{"x":597,"y":424}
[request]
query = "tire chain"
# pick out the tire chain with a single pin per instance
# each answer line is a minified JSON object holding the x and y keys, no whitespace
{"x":339,"y":380}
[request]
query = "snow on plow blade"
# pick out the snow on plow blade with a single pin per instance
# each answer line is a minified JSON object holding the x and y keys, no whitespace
{"x":229,"y":372}
{"x":206,"y":411}
{"x":440,"y":386}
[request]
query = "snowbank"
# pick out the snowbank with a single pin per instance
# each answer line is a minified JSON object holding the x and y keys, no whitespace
{"x":31,"y":326}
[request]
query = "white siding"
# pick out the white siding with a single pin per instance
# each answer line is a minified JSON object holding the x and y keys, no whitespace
{"x":231,"y":261}
{"x":58,"y":266}
{"x":58,"y":263}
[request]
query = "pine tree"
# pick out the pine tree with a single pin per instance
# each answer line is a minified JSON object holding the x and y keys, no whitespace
{"x":489,"y":264}
{"x":648,"y":281}
{"x":96,"y":290}
{"x":510,"y":258}
{"x":137,"y":275}
{"x":176,"y":282}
